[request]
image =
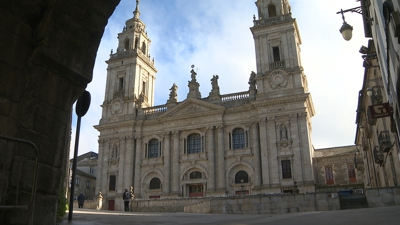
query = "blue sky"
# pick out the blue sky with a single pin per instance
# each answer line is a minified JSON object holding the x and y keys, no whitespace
{"x":214,"y":35}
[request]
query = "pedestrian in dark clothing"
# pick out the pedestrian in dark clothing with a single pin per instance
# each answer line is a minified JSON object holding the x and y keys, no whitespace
{"x":81,"y":200}
{"x":127,"y":197}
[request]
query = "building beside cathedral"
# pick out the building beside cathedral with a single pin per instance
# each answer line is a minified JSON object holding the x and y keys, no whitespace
{"x":254,"y":141}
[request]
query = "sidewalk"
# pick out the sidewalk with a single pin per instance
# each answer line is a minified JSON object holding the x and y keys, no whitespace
{"x":367,"y":216}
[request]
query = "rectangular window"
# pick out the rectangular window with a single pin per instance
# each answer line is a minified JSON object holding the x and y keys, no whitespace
{"x":121,"y":84}
{"x":88,"y":184}
{"x":91,"y":170}
{"x":194,"y":144}
{"x":352,"y":173}
{"x":329,"y":175}
{"x":277,"y":56}
{"x":286,"y":169}
{"x":113,"y":180}
{"x":153,"y":149}
{"x":77,"y":181}
{"x":144,"y":87}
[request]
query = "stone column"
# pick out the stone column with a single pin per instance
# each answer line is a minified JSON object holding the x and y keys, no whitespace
{"x":221,"y":160}
{"x":100,"y":166}
{"x":211,"y":159}
{"x":274,"y":166}
{"x":257,"y":155}
{"x":175,"y":164}
{"x":138,"y":186}
{"x":121,"y":165}
{"x":128,"y":168}
{"x":104,"y":172}
{"x":264,"y":152}
{"x":304,"y":147}
{"x":167,"y":163}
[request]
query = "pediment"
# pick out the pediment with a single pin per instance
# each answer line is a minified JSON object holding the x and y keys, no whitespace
{"x":191,"y":107}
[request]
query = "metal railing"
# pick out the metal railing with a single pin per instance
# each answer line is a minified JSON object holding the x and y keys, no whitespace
{"x":31,"y":204}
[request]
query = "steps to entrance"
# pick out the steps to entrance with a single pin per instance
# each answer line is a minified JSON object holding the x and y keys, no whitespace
{"x":353,"y":202}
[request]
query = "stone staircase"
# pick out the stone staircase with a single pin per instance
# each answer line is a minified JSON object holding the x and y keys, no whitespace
{"x":353,"y":202}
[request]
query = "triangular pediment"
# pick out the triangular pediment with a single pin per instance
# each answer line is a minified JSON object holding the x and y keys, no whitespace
{"x":191,"y":107}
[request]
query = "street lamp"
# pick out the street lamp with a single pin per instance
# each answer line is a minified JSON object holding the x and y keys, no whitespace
{"x":346,"y":30}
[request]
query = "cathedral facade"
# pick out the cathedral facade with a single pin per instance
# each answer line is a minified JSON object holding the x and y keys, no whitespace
{"x":250,"y":142}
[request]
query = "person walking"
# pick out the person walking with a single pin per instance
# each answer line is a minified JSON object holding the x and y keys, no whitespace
{"x":127,"y":197}
{"x":81,"y":200}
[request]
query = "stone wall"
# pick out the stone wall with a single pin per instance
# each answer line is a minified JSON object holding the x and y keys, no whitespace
{"x":48,"y":50}
{"x":379,"y":197}
{"x":88,"y":204}
{"x":258,"y":204}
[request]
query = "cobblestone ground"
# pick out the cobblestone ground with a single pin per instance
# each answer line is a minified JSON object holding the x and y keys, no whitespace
{"x":373,"y":216}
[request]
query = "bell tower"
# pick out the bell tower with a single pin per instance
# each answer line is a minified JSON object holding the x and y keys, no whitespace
{"x":282,"y":86}
{"x":277,"y":46}
{"x":130,"y":73}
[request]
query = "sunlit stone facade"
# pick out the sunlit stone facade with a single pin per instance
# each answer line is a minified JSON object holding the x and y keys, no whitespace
{"x":254,"y":141}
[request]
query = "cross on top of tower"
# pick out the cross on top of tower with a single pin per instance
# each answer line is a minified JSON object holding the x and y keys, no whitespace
{"x":136,"y":13}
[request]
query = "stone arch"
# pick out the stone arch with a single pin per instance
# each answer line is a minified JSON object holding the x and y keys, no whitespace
{"x":191,"y":168}
{"x":150,"y":174}
{"x":126,"y":44}
{"x":272,"y":11}
{"x":144,"y":48}
{"x":31,"y":71}
{"x":237,"y":166}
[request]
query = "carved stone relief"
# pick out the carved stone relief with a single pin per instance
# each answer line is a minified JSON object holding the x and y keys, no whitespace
{"x":278,"y":79}
{"x":116,"y":106}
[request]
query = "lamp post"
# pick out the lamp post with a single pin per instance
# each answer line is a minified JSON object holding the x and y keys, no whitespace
{"x":346,"y":30}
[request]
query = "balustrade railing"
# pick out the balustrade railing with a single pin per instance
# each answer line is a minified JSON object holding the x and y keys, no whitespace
{"x":153,"y":110}
{"x":272,"y":20}
{"x":276,"y":65}
{"x":235,"y":96}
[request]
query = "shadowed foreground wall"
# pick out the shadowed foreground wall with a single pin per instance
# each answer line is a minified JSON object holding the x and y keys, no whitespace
{"x":48,"y":50}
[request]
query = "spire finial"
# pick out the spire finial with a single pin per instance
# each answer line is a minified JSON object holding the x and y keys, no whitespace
{"x":136,"y":13}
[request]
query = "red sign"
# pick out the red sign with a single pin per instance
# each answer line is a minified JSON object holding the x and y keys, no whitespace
{"x":380,"y":110}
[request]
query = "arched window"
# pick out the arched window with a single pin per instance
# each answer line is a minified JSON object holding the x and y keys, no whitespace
{"x":239,"y":138}
{"x":136,"y":43}
{"x":195,"y":175}
{"x":193,"y":143}
{"x":144,"y":48}
{"x":153,"y":148}
{"x":271,"y":11}
{"x":126,"y":44}
{"x":241,"y":177}
{"x":155,"y":183}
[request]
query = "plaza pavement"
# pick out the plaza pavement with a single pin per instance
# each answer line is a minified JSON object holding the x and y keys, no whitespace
{"x":367,"y":216}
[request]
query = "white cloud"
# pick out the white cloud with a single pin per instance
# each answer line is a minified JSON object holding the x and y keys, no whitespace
{"x":215,"y":36}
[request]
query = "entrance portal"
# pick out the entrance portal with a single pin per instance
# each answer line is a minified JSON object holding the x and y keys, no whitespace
{"x":196,"y":190}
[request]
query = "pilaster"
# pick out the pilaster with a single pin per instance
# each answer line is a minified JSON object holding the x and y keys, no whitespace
{"x":138,"y":162}
{"x":264,"y":153}
{"x":257,"y":154}
{"x":221,"y":160}
{"x":211,"y":159}
{"x":175,"y":164}
{"x":128,"y":168}
{"x":167,"y":163}
{"x":272,"y":151}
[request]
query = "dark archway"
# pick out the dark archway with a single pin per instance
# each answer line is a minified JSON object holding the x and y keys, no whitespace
{"x":47,"y":58}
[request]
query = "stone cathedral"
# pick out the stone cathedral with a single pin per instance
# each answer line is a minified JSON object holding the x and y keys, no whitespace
{"x":254,"y":141}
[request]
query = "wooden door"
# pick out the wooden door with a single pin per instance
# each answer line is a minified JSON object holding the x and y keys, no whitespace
{"x":196,"y":190}
{"x":111,"y":205}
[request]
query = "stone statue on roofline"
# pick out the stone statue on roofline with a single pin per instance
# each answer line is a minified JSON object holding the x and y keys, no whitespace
{"x":173,"y":95}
